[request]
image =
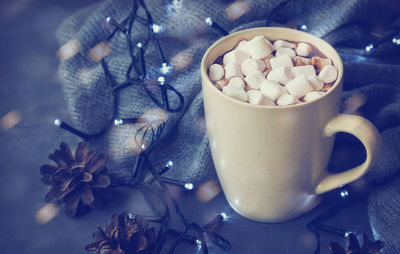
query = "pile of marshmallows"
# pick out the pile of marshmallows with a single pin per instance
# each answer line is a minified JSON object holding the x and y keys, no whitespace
{"x":252,"y":73}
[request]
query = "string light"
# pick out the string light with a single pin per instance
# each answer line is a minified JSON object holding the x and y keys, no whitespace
{"x":347,"y":233}
{"x":369,"y":47}
{"x":161,"y":80}
{"x":304,"y":27}
{"x":165,"y":68}
{"x":224,"y":216}
{"x":344,"y":193}
{"x":157,"y":28}
{"x":169,"y":164}
{"x":188,"y":186}
{"x":214,"y":25}
{"x":118,"y":122}
{"x":396,"y":40}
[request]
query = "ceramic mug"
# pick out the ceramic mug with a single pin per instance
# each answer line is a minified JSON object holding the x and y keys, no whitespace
{"x":271,"y":160}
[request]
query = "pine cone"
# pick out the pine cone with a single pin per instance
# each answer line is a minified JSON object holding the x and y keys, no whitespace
{"x":124,"y":236}
{"x":369,"y":247}
{"x":75,"y":180}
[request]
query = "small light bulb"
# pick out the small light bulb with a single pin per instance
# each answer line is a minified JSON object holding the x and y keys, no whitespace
{"x":108,"y":19}
{"x":118,"y":122}
{"x":198,"y":242}
{"x":344,"y":193}
{"x":303,"y":27}
{"x":161,"y":80}
{"x":188,"y":186}
{"x":139,"y":45}
{"x":57,"y":122}
{"x":165,"y":68}
{"x":347,"y":233}
{"x":143,"y":147}
{"x":169,"y":164}
{"x":209,"y":21}
{"x":157,"y":28}
{"x":224,"y":216}
{"x":396,"y":41}
{"x":369,"y":47}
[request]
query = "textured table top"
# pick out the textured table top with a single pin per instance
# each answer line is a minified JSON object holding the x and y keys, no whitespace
{"x":31,"y":91}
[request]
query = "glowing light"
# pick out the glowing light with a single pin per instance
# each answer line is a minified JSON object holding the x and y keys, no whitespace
{"x":169,"y":164}
{"x":143,"y":146}
{"x":139,"y":45}
{"x":99,"y":51}
{"x":118,"y":122}
{"x":181,"y":60}
{"x":396,"y":40}
{"x":236,"y":10}
{"x":108,"y":19}
{"x":198,"y":242}
{"x":161,"y":80}
{"x":153,"y":117}
{"x":68,"y":50}
{"x":344,"y":193}
{"x":157,"y":28}
{"x":347,"y":233}
{"x":46,"y":213}
{"x":369,"y":47}
{"x":224,"y":216}
{"x":208,"y":191}
{"x":165,"y":68}
{"x":303,"y":27}
{"x":57,"y":122}
{"x":188,"y":186}
{"x":10,"y":119}
{"x":174,"y":7}
{"x":209,"y":21}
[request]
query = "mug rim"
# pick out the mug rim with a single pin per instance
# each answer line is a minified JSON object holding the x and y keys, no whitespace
{"x":319,"y":41}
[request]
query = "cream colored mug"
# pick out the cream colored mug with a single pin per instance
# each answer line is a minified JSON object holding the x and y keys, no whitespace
{"x":271,"y":160}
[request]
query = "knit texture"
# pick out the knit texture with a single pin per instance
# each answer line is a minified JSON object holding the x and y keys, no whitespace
{"x":185,"y":39}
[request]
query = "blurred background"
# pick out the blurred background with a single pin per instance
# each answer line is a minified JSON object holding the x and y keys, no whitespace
{"x":31,"y":98}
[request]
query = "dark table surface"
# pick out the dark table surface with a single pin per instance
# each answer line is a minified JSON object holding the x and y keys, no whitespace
{"x":31,"y":98}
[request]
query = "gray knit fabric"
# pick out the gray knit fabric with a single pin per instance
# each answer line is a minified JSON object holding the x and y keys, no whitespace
{"x":184,"y":141}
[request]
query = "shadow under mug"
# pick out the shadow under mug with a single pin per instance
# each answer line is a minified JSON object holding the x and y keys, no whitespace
{"x":271,"y":160}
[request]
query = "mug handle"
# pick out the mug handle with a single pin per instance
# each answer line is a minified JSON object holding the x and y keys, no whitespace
{"x":369,"y":136}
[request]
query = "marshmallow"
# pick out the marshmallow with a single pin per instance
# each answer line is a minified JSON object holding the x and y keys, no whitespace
{"x":236,"y":82}
{"x":269,"y":44}
{"x":242,"y":45}
{"x":316,"y":83}
{"x":280,"y":44}
{"x":235,"y":56}
{"x":254,"y":80}
{"x":299,"y":61}
{"x":261,"y":65}
{"x":287,"y":99}
{"x":285,"y":51}
{"x":250,"y":66}
{"x":303,"y":49}
{"x":221,"y":83}
{"x":255,"y":97}
{"x":312,"y":95}
{"x":235,"y":92}
{"x":233,"y":70}
{"x":299,"y":86}
{"x":328,"y":74}
{"x":271,"y":89}
{"x":280,"y":61}
{"x":216,"y":72}
{"x":281,"y":75}
{"x":320,"y":63}
{"x":258,"y":48}
{"x":305,"y":70}
{"x":267,"y":61}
